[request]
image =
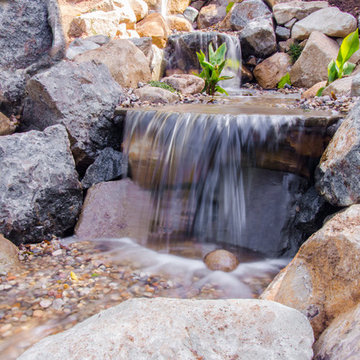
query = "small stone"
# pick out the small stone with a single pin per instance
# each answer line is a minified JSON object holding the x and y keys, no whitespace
{"x":57,"y":252}
{"x":38,"y":313}
{"x":222,"y":260}
{"x":45,"y":303}
{"x":58,"y":304}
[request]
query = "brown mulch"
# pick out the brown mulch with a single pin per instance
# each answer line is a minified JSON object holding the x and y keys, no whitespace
{"x":349,"y":6}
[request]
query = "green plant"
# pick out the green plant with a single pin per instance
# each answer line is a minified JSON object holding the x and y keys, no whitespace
{"x":212,"y":69}
{"x":341,"y":67}
{"x":161,"y":85}
{"x":229,"y":6}
{"x":284,"y":80}
{"x":295,"y":51}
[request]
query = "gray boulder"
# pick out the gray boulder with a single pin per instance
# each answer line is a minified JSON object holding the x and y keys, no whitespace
{"x":156,"y":95}
{"x":40,"y":194}
{"x":79,"y":46}
{"x":109,"y":165}
{"x":337,"y":176}
{"x":82,"y":97}
{"x":161,"y":328}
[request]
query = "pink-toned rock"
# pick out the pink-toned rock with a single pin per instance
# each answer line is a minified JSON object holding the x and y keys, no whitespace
{"x":310,"y":93}
{"x":185,"y":83}
{"x":222,"y":260}
{"x":8,"y":255}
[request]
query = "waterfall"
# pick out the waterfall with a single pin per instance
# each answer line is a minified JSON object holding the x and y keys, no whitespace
{"x":209,"y":177}
{"x":164,"y":8}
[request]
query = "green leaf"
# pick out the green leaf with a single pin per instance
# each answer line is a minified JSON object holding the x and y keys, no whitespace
{"x":220,"y":54}
{"x":333,"y":72}
{"x":221,"y":90}
{"x":348,"y":47}
{"x":230,"y":5}
{"x":284,"y":80}
{"x":320,"y":91}
{"x":225,"y":78}
{"x":211,"y":53}
{"x":348,"y":68}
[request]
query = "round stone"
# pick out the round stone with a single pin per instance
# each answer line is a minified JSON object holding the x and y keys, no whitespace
{"x":222,"y":260}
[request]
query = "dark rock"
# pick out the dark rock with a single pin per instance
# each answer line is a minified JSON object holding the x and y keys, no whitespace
{"x":109,"y":165}
{"x":222,"y":260}
{"x":82,"y":97}
{"x":40,"y":194}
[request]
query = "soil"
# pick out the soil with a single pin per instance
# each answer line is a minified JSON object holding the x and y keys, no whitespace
{"x":349,"y":6}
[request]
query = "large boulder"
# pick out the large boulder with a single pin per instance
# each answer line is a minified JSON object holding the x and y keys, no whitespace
{"x":311,"y":67}
{"x":109,"y":209}
{"x":154,"y":26}
{"x":269,"y":72}
{"x":187,"y":84}
{"x":126,"y":63}
{"x":339,"y":87}
{"x":330,"y":21}
{"x":179,"y":23}
{"x":82,"y":97}
{"x":340,"y":339}
{"x":9,"y":256}
{"x":272,"y":3}
{"x":212,"y":13}
{"x":285,"y":12}
{"x":337,"y":176}
{"x":323,"y":280}
{"x":140,"y":8}
{"x":177,"y":6}
{"x":145,"y":329}
{"x":40,"y":194}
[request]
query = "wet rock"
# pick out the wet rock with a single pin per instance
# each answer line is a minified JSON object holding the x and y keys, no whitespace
{"x":222,"y":260}
{"x":79,"y":46}
{"x":185,"y":83}
{"x":156,"y":95}
{"x":154,"y":26}
{"x":339,"y":340}
{"x":108,"y":211}
{"x":8,"y":256}
{"x":7,"y":126}
{"x":329,"y":21}
{"x":309,"y":68}
{"x":298,"y":10}
{"x":126,"y":63}
{"x":339,"y":87}
{"x":179,"y":23}
{"x":339,"y":169}
{"x":109,"y":165}
{"x":82,"y":97}
{"x":355,"y":85}
{"x":191,"y":14}
{"x":322,"y":281}
{"x":131,"y":324}
{"x":269,"y":72}
{"x":40,"y":194}
{"x":212,"y":13}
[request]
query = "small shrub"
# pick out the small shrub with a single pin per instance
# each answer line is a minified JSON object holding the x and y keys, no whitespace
{"x":295,"y":51}
{"x":161,"y":85}
{"x":284,"y":80}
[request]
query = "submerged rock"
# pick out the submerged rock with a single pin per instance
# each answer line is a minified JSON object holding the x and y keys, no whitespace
{"x":40,"y":194}
{"x":145,"y":329}
{"x":222,"y":260}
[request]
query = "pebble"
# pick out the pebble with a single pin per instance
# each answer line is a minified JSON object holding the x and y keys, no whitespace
{"x":57,"y":252}
{"x":45,"y":303}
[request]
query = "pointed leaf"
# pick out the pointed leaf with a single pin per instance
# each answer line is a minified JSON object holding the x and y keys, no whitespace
{"x":225,"y":78}
{"x":333,"y":71}
{"x":348,"y":68}
{"x":211,"y":53}
{"x":320,"y":91}
{"x":348,"y":47}
{"x":229,"y":7}
{"x":220,"y":54}
{"x":221,"y":90}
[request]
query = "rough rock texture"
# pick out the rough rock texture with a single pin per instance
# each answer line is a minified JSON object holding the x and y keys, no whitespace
{"x":98,"y":39}
{"x":108,"y":211}
{"x":191,"y":14}
{"x":185,"y":83}
{"x":7,"y":126}
{"x":109,"y":165}
{"x":341,"y":339}
{"x":272,"y":3}
{"x":212,"y":13}
{"x":155,"y":26}
{"x":337,"y":176}
{"x":311,"y":67}
{"x":8,"y":256}
{"x":222,"y":260}
{"x":258,"y":38}
{"x":242,"y":13}
{"x":144,"y":44}
{"x":330,"y":21}
{"x":177,"y":6}
{"x":340,"y":87}
{"x":310,"y":93}
{"x":269,"y":72}
{"x":40,"y":194}
{"x":140,"y":8}
{"x":282,"y":33}
{"x":83,"y":98}
{"x":156,"y":95}
{"x":285,"y":12}
{"x":126,"y":63}
{"x":355,"y":85}
{"x":79,"y":46}
{"x":323,"y":281}
{"x":179,"y":23}
{"x":157,"y":63}
{"x":206,"y":329}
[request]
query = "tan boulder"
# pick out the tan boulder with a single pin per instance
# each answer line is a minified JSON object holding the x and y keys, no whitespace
{"x":177,"y":6}
{"x":246,"y":74}
{"x":156,"y":95}
{"x":222,"y":260}
{"x":272,"y":3}
{"x":339,"y":87}
{"x":7,"y":126}
{"x":212,"y":13}
{"x":154,"y":4}
{"x":323,"y":280}
{"x":8,"y":255}
{"x":310,"y":93}
{"x":127,"y":64}
{"x":179,"y":23}
{"x":157,"y":63}
{"x":105,"y":5}
{"x":154,"y":26}
{"x":311,"y":67}
{"x":140,"y":8}
{"x":185,"y":83}
{"x":269,"y":72}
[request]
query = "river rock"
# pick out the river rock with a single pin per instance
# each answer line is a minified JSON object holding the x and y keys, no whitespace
{"x":340,"y":339}
{"x":185,"y":83}
{"x":82,"y":97}
{"x":355,"y":85}
{"x":108,"y":211}
{"x":109,"y":165}
{"x":311,"y":67}
{"x":9,"y":259}
{"x":179,"y":23}
{"x":297,"y":10}
{"x":339,"y":169}
{"x":79,"y":46}
{"x":339,"y":87}
{"x":222,"y":260}
{"x":212,"y":13}
{"x":330,"y":21}
{"x":156,"y":95}
{"x":269,"y":72}
{"x":258,"y":38}
{"x":127,"y":64}
{"x":205,"y":330}
{"x":7,"y":126}
{"x":323,"y":281}
{"x":40,"y":194}
{"x":242,"y":13}
{"x":140,"y":8}
{"x":155,"y":26}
